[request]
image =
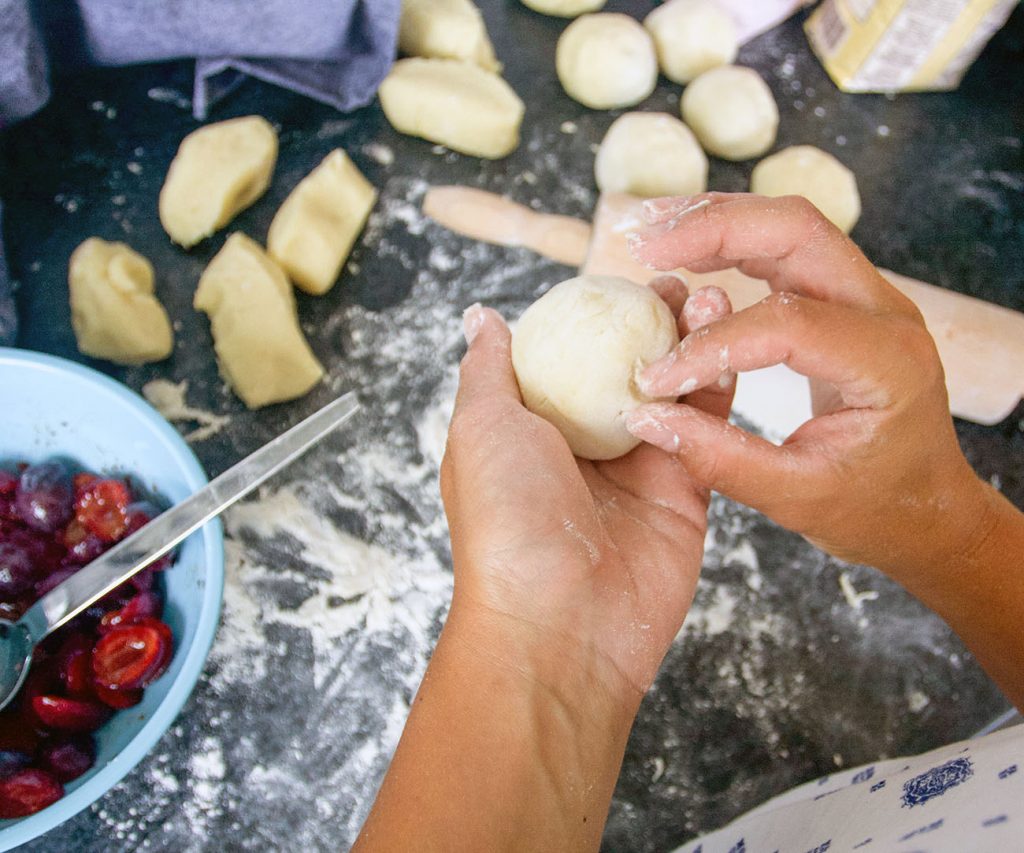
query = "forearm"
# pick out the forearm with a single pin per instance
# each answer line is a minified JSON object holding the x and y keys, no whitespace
{"x":510,"y":745}
{"x":979,"y":591}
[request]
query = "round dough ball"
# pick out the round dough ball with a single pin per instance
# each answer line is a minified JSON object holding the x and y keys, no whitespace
{"x":454,"y":103}
{"x":650,"y":154}
{"x":564,"y":8}
{"x":691,"y":37}
{"x":606,"y":61}
{"x":732,"y":111}
{"x":575,"y":352}
{"x":817,"y":176}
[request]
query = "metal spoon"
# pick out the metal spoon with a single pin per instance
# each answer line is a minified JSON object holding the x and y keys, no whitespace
{"x":131,"y":555}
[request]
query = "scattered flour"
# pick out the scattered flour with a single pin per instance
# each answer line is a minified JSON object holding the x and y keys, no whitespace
{"x":166,"y":95}
{"x":917,"y":701}
{"x":379,"y":152}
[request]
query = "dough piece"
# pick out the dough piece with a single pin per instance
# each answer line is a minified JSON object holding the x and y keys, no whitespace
{"x":261,"y":349}
{"x":314,"y":229}
{"x":691,"y":37}
{"x":606,"y":61}
{"x":218,"y":172}
{"x":564,"y":8}
{"x":446,"y":29}
{"x":113,"y":310}
{"x":575,"y":352}
{"x":454,"y":103}
{"x":732,"y":111}
{"x":817,"y":176}
{"x":650,"y":154}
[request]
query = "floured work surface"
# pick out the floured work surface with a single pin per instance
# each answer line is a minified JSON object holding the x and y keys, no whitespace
{"x":338,"y":574}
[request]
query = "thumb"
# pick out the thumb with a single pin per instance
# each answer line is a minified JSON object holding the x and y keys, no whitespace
{"x":721,"y":456}
{"x":486,"y":371}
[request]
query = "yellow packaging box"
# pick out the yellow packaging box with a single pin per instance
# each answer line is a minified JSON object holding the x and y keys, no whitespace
{"x":902,"y":45}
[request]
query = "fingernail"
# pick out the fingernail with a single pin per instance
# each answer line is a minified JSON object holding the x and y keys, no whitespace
{"x":705,"y":307}
{"x":654,"y":210}
{"x":653,"y":385}
{"x":472,"y":322}
{"x":634,"y":244}
{"x":686,"y":210}
{"x":645,"y":425}
{"x":648,"y":376}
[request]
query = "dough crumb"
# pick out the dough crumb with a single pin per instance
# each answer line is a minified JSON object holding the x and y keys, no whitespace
{"x":168,"y":398}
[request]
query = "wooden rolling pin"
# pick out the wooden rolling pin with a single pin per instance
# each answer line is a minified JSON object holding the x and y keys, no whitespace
{"x":981,"y":345}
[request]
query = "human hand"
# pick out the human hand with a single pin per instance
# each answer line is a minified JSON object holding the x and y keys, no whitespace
{"x":595,"y":562}
{"x":877,"y":476}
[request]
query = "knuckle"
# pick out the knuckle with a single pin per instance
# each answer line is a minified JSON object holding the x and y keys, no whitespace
{"x":704,"y":467}
{"x":811,"y":220}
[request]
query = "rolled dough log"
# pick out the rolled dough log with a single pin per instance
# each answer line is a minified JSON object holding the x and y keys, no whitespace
{"x":650,"y":154}
{"x":446,"y":29}
{"x":454,"y":103}
{"x":691,"y":37}
{"x":575,"y":352}
{"x":261,"y":349}
{"x":606,"y":61}
{"x":114,"y":312}
{"x":218,"y":172}
{"x":314,"y":229}
{"x":732,"y":111}
{"x":817,"y":176}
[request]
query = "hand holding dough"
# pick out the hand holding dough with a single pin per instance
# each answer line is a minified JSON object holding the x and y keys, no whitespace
{"x":650,"y":154}
{"x":732,"y":111}
{"x":261,"y":349}
{"x":454,"y":103}
{"x":814,"y":174}
{"x":218,"y":172}
{"x":575,"y":352}
{"x":445,"y":29}
{"x":691,"y":37}
{"x":113,"y":310}
{"x":314,"y":229}
{"x":606,"y":61}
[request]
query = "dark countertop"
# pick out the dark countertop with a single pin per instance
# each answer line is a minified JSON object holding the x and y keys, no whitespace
{"x":776,"y":680}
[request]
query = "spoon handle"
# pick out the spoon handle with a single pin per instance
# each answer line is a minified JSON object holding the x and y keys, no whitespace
{"x":159,"y":536}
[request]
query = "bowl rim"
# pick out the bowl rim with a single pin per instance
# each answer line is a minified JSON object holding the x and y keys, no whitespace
{"x":21,"y":830}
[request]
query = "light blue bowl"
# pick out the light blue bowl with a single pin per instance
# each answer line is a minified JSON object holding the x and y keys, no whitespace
{"x":52,"y":407}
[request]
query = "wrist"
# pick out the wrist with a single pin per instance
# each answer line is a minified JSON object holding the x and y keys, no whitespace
{"x":959,"y":545}
{"x":553,"y":663}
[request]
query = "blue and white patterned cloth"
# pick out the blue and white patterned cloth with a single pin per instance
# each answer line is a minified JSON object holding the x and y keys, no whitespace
{"x":966,"y":796}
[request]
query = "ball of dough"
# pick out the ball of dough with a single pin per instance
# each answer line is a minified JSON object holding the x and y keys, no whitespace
{"x":454,"y":103}
{"x":650,"y":154}
{"x":732,"y":111}
{"x":575,"y":352}
{"x":218,"y":172}
{"x":817,"y":176}
{"x":564,"y":8}
{"x":314,"y":229}
{"x":606,"y":61}
{"x":446,"y":29}
{"x":114,"y":312}
{"x":260,"y":347}
{"x":691,"y":37}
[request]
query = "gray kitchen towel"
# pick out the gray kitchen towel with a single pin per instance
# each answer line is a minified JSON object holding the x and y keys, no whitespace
{"x":336,"y":51}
